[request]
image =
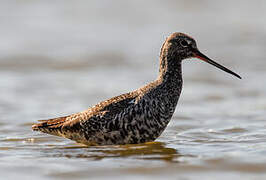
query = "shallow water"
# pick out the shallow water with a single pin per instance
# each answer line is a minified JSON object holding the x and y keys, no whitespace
{"x":57,"y":58}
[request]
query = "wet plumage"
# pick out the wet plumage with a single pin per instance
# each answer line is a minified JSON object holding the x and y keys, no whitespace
{"x":136,"y":117}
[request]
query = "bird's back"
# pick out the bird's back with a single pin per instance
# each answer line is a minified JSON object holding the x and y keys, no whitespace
{"x":76,"y":125}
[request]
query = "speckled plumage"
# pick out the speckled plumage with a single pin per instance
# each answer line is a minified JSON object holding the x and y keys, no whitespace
{"x":136,"y":117}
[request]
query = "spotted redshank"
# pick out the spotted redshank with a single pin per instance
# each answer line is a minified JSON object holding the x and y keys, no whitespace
{"x":138,"y":116}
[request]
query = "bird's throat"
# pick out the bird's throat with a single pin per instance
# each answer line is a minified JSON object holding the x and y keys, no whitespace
{"x":170,"y":69}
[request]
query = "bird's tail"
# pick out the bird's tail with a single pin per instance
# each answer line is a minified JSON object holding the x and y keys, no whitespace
{"x":50,"y":126}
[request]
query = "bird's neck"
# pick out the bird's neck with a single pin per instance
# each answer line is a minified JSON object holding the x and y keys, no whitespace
{"x":168,"y":85}
{"x":169,"y":82}
{"x":170,"y":72}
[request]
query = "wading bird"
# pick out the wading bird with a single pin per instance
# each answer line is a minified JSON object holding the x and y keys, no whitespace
{"x":138,"y":116}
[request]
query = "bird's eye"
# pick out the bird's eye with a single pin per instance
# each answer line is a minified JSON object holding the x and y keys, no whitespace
{"x":184,"y":43}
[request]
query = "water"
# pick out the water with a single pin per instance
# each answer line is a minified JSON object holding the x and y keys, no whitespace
{"x":59,"y":57}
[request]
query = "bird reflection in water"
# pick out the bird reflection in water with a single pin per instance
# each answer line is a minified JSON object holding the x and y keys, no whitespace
{"x":147,"y":151}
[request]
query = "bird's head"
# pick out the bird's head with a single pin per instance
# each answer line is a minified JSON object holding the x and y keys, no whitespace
{"x":182,"y":46}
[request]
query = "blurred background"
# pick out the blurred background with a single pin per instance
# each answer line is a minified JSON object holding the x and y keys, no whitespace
{"x":60,"y":57}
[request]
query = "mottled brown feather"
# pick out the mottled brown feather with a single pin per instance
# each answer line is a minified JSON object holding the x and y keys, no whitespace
{"x":61,"y":125}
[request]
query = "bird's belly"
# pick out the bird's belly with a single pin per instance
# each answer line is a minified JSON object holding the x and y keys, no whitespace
{"x":136,"y":132}
{"x":131,"y":127}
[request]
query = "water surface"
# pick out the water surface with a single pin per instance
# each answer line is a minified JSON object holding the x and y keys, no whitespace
{"x":58,"y":58}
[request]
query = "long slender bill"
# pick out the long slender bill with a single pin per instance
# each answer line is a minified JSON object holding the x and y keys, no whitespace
{"x":201,"y":56}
